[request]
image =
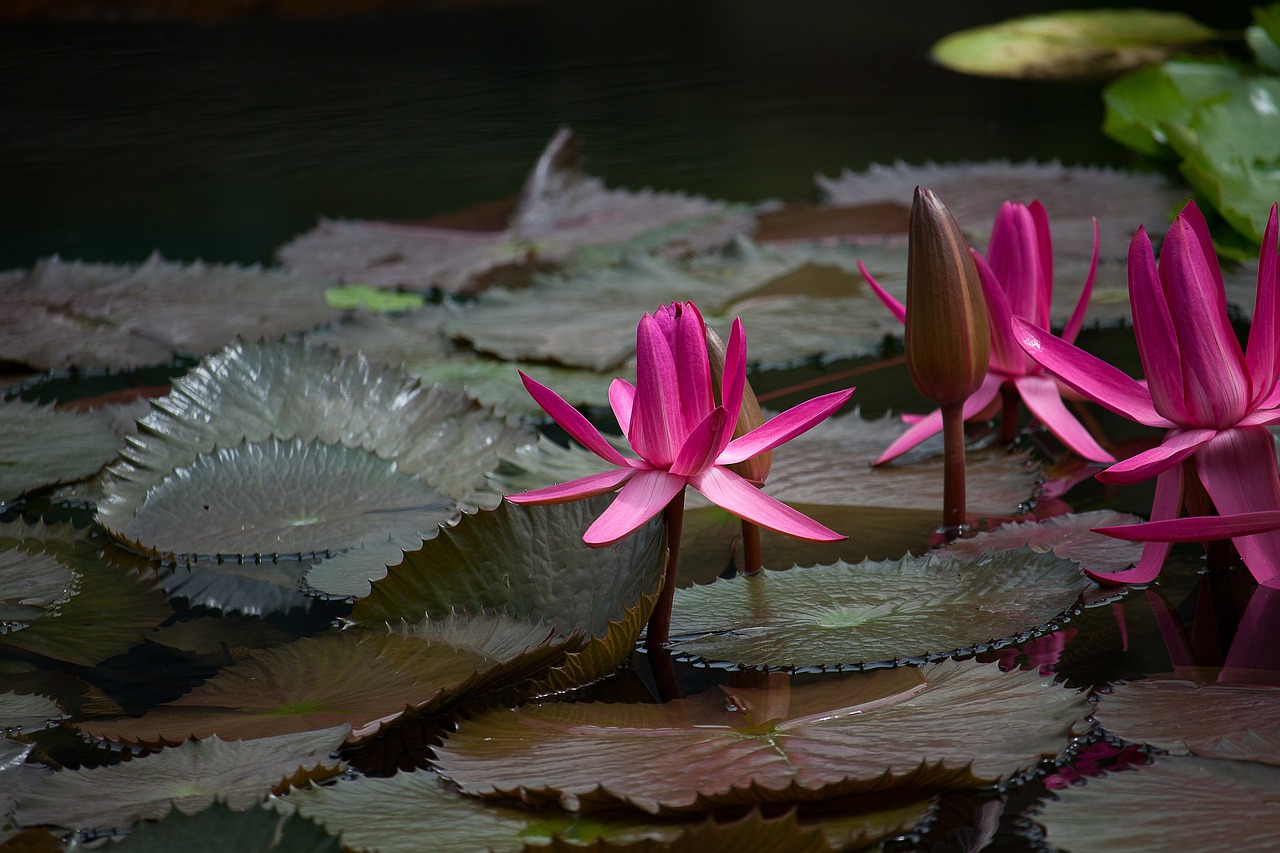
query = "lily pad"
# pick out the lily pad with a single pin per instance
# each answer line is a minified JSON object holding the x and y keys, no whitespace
{"x":17,"y":778}
{"x":63,"y":314}
{"x":1070,"y":45}
{"x":952,"y":724}
{"x":24,"y":713}
{"x":187,"y":777}
{"x":561,"y":212}
{"x":248,"y":585}
{"x":31,"y":586}
{"x":874,"y":613}
{"x":1070,"y":536}
{"x":1233,"y":807}
{"x":255,"y":392}
{"x":360,"y":679}
{"x":218,"y":828}
{"x":1208,"y":720}
{"x":44,"y":447}
{"x":531,"y":563}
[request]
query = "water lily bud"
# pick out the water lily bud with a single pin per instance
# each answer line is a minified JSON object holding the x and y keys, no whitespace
{"x":749,"y":416}
{"x":947,"y":340}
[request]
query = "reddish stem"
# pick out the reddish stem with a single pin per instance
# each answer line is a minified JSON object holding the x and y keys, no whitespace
{"x":1008,"y":413}
{"x":660,"y":622}
{"x":953,"y":497}
{"x":752,"y":557}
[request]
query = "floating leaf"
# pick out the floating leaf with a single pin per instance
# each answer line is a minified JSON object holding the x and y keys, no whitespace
{"x":356,"y":678}
{"x":1070,"y":536}
{"x":218,"y":828}
{"x":247,"y":585}
{"x":1203,"y":804}
{"x":17,"y":778}
{"x":31,"y":586}
{"x":949,"y":724}
{"x":44,"y":447}
{"x":371,"y":298}
{"x":187,"y":777}
{"x":874,"y":613}
{"x":255,"y":392}
{"x":561,"y":212}
{"x":23,"y":713}
{"x":1208,"y":720}
{"x":1070,"y":45}
{"x":219,"y":636}
{"x":60,"y":314}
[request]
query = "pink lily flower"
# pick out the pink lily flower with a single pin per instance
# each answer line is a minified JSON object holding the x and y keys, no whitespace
{"x":1214,"y":400}
{"x":1017,"y":281}
{"x":682,"y":436}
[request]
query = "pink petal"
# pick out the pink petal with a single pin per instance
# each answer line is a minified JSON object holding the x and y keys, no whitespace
{"x":1041,"y":395}
{"x":895,"y":307}
{"x":1089,"y":375}
{"x":705,"y":442}
{"x":693,"y":366}
{"x":657,"y":424}
{"x":1006,"y":355}
{"x":1191,"y":214}
{"x":929,"y":425}
{"x":1044,"y":245}
{"x":733,"y":383}
{"x":1196,"y":528}
{"x":726,"y":489}
{"x":1153,"y":327}
{"x":622,"y":396}
{"x":1013,"y":254}
{"x":1166,"y":504}
{"x":573,"y":421}
{"x":1238,"y":470}
{"x":1176,"y":446}
{"x":1082,"y":304}
{"x":575,"y":490}
{"x":645,"y":495}
{"x":784,"y":427}
{"x":1262,"y":354}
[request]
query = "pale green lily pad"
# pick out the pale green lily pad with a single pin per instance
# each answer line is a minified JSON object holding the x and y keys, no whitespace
{"x":31,"y":586}
{"x":230,"y":502}
{"x":486,"y":564}
{"x":44,"y":447}
{"x":1070,"y":536}
{"x":187,"y":778}
{"x":255,"y":392}
{"x":63,"y":314}
{"x":20,"y":713}
{"x":561,"y":212}
{"x":874,"y":613}
{"x":1197,"y":803}
{"x":361,"y":679}
{"x":1070,"y":45}
{"x":1208,"y":720}
{"x":218,"y":829}
{"x":371,"y":298}
{"x":952,"y":724}
{"x":248,"y":585}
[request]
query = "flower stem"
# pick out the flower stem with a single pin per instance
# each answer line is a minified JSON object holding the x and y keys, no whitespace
{"x":660,"y":622}
{"x":1008,"y":413}
{"x":752,"y":559}
{"x":953,"y":497}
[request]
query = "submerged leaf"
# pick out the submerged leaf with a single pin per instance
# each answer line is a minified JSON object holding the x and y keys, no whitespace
{"x":44,"y":447}
{"x":944,"y":725}
{"x":874,"y":613}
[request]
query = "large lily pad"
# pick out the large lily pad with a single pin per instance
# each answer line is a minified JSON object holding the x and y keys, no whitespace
{"x":71,"y":314}
{"x":44,"y":447}
{"x":17,"y":777}
{"x":1070,"y":536}
{"x":187,"y":777}
{"x":218,"y":829}
{"x":255,"y":392}
{"x":874,"y":612}
{"x":561,"y":212}
{"x":1208,"y":720}
{"x":249,"y":585}
{"x":21,"y":713}
{"x":360,"y":679}
{"x":1203,"y":804}
{"x":949,"y":724}
{"x":1070,"y":45}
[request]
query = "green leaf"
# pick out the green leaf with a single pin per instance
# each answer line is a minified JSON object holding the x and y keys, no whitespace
{"x":1070,"y":44}
{"x":951,"y":724}
{"x":218,"y":829}
{"x":44,"y":447}
{"x":371,"y":298}
{"x":1142,"y":104}
{"x":1264,"y":36}
{"x":874,"y":613}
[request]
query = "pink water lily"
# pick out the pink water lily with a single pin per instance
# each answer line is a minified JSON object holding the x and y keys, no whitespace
{"x":1214,"y":399}
{"x":682,"y":436}
{"x":1017,"y":281}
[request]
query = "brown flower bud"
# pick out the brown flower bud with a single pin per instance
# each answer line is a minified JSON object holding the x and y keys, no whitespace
{"x":749,"y":416}
{"x":947,"y":339}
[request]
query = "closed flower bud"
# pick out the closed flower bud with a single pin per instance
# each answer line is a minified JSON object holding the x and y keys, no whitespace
{"x":947,"y":339}
{"x":749,"y":416}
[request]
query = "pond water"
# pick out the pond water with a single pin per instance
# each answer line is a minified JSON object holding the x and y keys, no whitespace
{"x":224,"y":142}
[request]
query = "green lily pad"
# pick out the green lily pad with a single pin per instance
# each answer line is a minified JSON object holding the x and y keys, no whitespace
{"x":250,"y":393}
{"x":360,"y":679}
{"x":952,"y":724}
{"x":248,"y":585}
{"x":1204,"y":804}
{"x":487,"y":562}
{"x":874,"y":613}
{"x":1070,"y":45}
{"x":187,"y":778}
{"x":21,"y":713}
{"x":44,"y":447}
{"x":31,"y":586}
{"x":218,"y":828}
{"x":1070,"y":536}
{"x":63,"y":314}
{"x":372,"y":298}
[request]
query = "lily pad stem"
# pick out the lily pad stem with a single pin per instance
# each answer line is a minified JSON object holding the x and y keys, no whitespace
{"x":752,"y":559}
{"x":660,"y":622}
{"x":1009,"y":399}
{"x":953,"y":496}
